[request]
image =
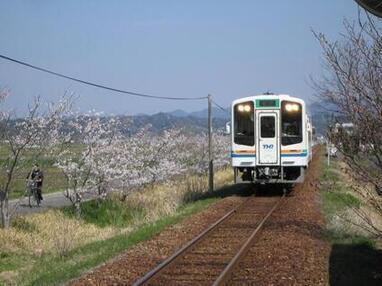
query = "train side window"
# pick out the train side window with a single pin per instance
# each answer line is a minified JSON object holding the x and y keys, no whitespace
{"x":244,"y":126}
{"x":267,"y":127}
{"x":291,"y":126}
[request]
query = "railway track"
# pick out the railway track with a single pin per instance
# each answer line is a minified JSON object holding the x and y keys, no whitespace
{"x":212,"y":256}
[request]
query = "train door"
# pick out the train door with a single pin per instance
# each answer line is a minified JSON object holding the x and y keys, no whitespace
{"x":268,"y":149}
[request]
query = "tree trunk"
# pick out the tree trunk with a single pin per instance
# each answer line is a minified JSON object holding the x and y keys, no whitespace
{"x":5,"y":218}
{"x":77,"y":205}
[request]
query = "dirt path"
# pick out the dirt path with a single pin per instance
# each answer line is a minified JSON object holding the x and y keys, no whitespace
{"x":290,"y":251}
{"x":52,"y":200}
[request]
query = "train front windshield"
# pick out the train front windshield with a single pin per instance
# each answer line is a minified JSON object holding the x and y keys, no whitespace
{"x":291,"y":127}
{"x":244,"y":128}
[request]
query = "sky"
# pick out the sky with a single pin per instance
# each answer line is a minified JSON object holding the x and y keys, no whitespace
{"x":229,"y":49}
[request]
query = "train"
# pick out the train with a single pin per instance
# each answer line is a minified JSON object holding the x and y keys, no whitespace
{"x":271,"y":139}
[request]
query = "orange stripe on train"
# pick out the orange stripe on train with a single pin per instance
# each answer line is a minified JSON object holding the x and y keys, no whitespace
{"x":291,"y":151}
{"x":245,"y":151}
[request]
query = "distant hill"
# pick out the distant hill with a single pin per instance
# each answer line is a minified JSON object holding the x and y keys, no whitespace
{"x":179,"y":113}
{"x":177,"y":119}
{"x":216,"y":113}
{"x":196,"y":122}
{"x":322,"y":113}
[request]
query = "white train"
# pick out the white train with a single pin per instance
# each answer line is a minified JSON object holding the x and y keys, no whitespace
{"x":271,"y":139}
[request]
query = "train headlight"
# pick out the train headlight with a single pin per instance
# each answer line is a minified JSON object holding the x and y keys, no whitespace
{"x":244,"y":108}
{"x":292,"y":107}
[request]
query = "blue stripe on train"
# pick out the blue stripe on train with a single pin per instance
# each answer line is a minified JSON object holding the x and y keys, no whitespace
{"x":242,"y":155}
{"x":282,"y":155}
{"x":294,"y":155}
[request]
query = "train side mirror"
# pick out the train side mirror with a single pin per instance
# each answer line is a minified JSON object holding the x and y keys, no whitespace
{"x":228,"y":128}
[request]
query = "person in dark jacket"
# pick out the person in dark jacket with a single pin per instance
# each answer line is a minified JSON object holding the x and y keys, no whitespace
{"x":37,"y":176}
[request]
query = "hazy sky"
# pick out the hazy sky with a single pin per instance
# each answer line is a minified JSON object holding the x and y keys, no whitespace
{"x":230,"y":49}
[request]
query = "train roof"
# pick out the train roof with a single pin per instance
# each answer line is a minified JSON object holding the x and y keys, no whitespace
{"x":269,"y":96}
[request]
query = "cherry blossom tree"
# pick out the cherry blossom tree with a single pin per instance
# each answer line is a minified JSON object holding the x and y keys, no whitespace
{"x":146,"y":158}
{"x":84,"y":156}
{"x":94,"y":156}
{"x":110,"y":160}
{"x":39,"y":129}
{"x":194,"y":151}
{"x":353,"y":83}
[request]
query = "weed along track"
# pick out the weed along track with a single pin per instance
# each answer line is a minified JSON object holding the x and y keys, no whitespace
{"x":212,"y":256}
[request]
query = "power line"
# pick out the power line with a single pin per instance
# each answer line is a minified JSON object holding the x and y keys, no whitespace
{"x":98,"y":85}
{"x":220,"y":107}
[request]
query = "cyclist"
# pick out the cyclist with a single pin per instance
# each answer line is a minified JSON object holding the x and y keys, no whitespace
{"x":36,"y":176}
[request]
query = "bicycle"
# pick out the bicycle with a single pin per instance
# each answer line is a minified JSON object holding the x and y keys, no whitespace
{"x":32,"y":192}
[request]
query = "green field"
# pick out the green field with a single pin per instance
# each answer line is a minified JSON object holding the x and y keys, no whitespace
{"x":54,"y":181}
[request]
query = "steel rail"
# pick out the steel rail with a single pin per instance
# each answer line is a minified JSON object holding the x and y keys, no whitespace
{"x":149,"y":275}
{"x":226,"y":274}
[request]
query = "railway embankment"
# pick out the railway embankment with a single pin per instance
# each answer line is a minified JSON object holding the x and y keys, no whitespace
{"x":353,"y":226}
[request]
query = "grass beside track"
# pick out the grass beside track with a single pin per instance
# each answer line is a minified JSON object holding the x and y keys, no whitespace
{"x":53,"y":247}
{"x":110,"y":212}
{"x":355,"y":258}
{"x":52,"y":269}
{"x":336,"y":199}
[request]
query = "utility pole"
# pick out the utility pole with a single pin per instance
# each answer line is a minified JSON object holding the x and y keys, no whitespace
{"x":210,"y":159}
{"x":328,"y":150}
